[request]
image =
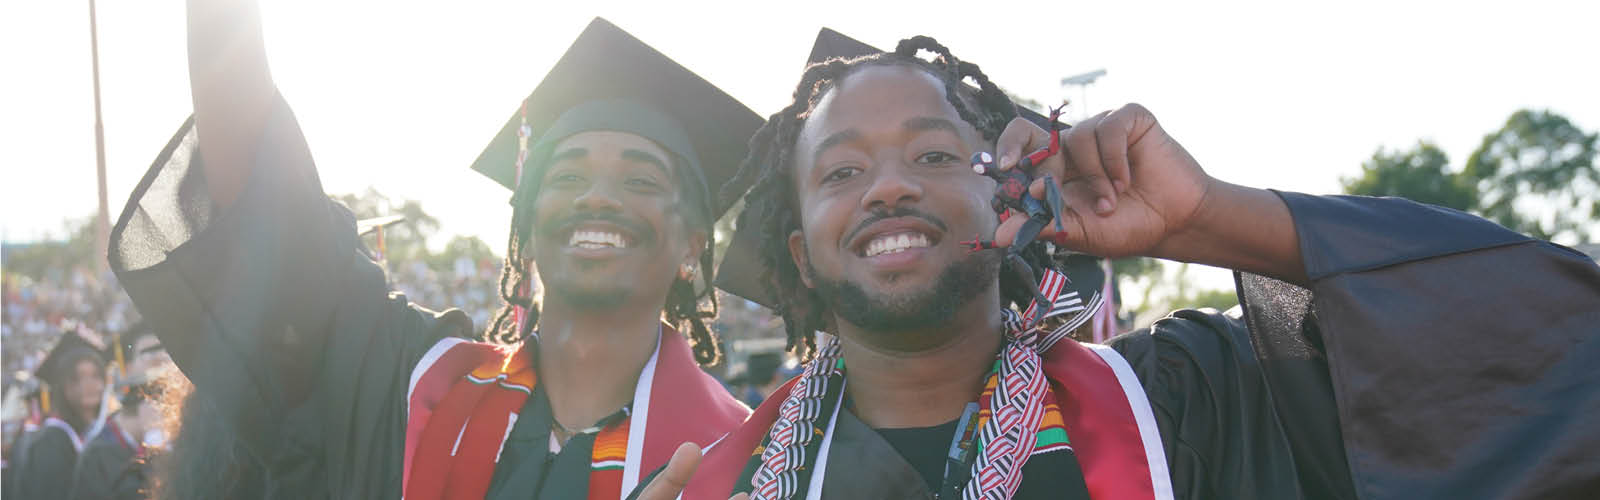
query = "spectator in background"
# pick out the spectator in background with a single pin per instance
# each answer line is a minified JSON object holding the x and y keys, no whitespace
{"x":74,"y":377}
{"x":760,"y":377}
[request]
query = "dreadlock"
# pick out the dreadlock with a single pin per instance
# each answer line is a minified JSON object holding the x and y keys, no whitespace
{"x":684,"y":299}
{"x":773,"y":196}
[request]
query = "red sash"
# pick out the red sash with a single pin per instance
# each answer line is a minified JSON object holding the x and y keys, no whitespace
{"x":1102,"y":406}
{"x":465,"y":396}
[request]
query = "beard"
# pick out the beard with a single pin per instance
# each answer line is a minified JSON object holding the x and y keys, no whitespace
{"x":913,"y":311}
{"x":583,"y":299}
{"x":574,"y":292}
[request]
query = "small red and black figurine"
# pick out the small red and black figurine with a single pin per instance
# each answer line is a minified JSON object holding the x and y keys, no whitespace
{"x":1011,"y":193}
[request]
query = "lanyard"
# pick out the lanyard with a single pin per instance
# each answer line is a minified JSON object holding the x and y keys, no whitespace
{"x":958,"y":461}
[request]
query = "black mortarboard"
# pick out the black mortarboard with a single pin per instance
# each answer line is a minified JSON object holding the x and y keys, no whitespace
{"x":1087,"y":278}
{"x":741,"y":272}
{"x":365,"y":226}
{"x":609,"y":80}
{"x":73,"y":344}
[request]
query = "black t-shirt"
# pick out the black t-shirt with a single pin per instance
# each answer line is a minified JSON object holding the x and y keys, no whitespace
{"x":925,"y":448}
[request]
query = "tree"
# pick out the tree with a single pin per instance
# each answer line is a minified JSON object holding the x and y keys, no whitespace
{"x":1537,"y":175}
{"x":76,"y":250}
{"x":1420,"y":174}
{"x":471,"y":247}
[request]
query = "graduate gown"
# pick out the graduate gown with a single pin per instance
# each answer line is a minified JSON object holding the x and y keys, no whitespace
{"x":275,"y":312}
{"x":111,"y":468}
{"x":1433,"y":355}
{"x":48,"y":455}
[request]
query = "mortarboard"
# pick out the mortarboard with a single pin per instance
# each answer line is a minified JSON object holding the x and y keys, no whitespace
{"x":609,"y":80}
{"x":365,"y":226}
{"x":73,"y":344}
{"x":742,"y":272}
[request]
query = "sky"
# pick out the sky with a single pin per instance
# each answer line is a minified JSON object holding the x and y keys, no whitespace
{"x":401,"y":96}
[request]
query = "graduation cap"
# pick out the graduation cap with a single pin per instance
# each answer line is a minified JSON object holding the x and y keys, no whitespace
{"x":1082,"y":296}
{"x":742,"y":272}
{"x":609,"y":80}
{"x":73,"y":344}
{"x":366,"y":226}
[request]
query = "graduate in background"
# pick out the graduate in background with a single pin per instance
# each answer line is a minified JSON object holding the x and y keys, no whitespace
{"x":74,"y":382}
{"x":334,"y":387}
{"x":115,"y":463}
{"x":1385,"y":349}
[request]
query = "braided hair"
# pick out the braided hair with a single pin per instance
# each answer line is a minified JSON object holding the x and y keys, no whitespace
{"x":685,"y":299}
{"x":774,"y":199}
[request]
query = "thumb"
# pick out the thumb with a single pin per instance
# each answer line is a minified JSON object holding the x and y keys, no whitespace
{"x":675,"y":476}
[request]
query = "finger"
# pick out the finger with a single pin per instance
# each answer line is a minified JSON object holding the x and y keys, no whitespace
{"x":1111,"y":138}
{"x":679,"y":469}
{"x":741,"y":496}
{"x":1084,"y":154}
{"x":1006,"y":234}
{"x":1020,"y":136}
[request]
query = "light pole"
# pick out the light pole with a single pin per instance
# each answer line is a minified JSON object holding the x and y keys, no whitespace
{"x":1082,"y":81}
{"x":102,"y":220}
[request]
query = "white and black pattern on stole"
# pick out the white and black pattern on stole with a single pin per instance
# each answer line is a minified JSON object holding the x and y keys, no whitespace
{"x":778,"y":476}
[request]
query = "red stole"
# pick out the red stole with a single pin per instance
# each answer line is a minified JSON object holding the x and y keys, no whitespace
{"x":1117,"y":444}
{"x":465,"y":395}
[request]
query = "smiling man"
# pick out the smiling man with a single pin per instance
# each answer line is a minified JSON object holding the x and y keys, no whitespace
{"x":341,"y":389}
{"x":1386,"y":350}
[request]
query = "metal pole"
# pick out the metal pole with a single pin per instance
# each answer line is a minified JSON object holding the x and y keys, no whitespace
{"x":103,"y":219}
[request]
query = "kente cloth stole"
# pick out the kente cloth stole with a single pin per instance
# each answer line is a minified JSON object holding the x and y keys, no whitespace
{"x":1051,"y":434}
{"x":791,"y":460}
{"x":461,"y":443}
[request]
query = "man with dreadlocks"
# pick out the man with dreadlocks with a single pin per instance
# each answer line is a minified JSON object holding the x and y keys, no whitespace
{"x":341,"y":389}
{"x":1373,"y":358}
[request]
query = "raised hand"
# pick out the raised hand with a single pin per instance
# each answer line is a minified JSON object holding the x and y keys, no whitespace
{"x":1126,"y":183}
{"x":1131,"y":189}
{"x":231,"y":88}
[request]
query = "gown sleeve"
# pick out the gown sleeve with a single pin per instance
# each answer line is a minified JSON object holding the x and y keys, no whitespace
{"x":273,"y":310}
{"x":1433,"y":355}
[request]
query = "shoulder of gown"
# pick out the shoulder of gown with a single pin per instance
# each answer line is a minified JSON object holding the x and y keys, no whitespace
{"x":1218,"y":420}
{"x":46,"y":470}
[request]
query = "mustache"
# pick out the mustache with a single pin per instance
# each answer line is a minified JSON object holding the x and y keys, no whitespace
{"x":889,"y":213}
{"x":564,"y":225}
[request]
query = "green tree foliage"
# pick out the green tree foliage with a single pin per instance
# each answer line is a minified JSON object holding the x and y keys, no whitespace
{"x":34,"y":260}
{"x":1218,"y":299}
{"x":469,"y":247}
{"x":1421,"y":173}
{"x":1537,"y":175}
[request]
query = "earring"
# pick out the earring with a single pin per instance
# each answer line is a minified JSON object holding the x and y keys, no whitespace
{"x":686,"y":272}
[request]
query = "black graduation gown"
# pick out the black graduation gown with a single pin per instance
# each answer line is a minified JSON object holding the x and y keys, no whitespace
{"x":109,"y":469}
{"x":44,"y":468}
{"x":1434,"y":355}
{"x":274,"y":312}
